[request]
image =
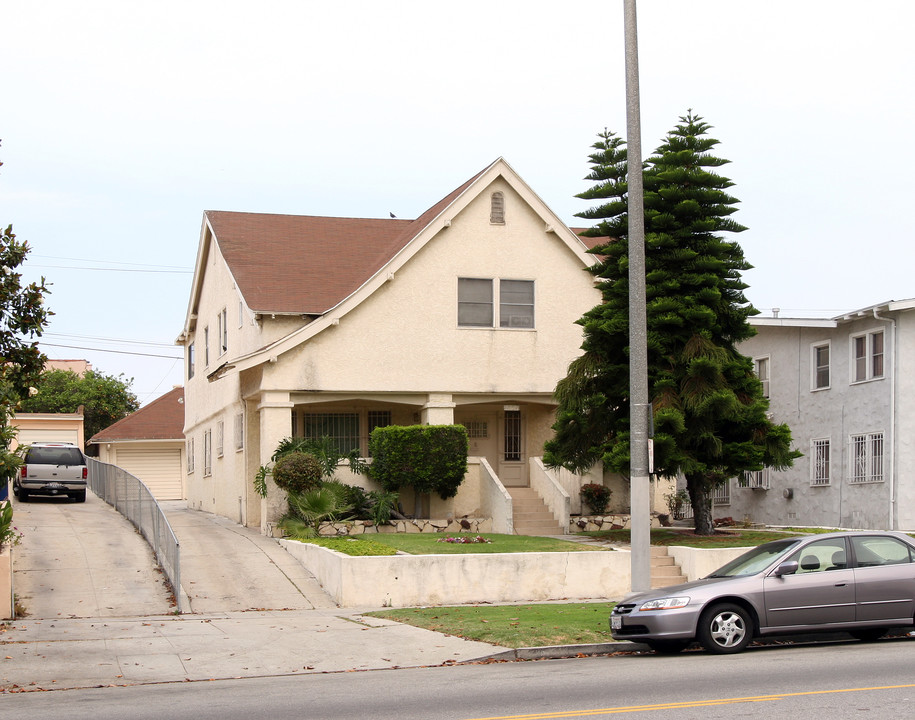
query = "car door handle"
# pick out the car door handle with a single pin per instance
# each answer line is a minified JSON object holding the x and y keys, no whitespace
{"x":841,"y":584}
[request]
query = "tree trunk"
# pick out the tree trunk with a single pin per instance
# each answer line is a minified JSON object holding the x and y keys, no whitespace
{"x":700,"y":497}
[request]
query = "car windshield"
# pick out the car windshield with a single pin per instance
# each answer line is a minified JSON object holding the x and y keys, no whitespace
{"x":755,"y":560}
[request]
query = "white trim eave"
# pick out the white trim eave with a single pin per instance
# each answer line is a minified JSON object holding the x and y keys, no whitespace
{"x":793,"y":322}
{"x":890,"y":306}
{"x":131,"y":441}
{"x":387,"y":272}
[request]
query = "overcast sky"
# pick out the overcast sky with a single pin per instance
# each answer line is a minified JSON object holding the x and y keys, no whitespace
{"x":121,"y":122}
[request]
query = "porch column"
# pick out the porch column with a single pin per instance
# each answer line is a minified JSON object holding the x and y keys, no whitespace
{"x":438,"y":410}
{"x":275,"y":415}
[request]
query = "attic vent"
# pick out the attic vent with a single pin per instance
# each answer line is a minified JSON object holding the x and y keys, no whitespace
{"x":497,"y":209}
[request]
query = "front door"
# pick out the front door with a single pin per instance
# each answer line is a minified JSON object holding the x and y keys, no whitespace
{"x":512,"y":466}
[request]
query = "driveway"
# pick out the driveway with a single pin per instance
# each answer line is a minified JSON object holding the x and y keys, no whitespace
{"x":84,"y":560}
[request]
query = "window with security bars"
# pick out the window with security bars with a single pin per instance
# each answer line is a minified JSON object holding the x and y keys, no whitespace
{"x":512,"y":435}
{"x":722,"y":494}
{"x":378,"y":418}
{"x":866,"y":462}
{"x":477,"y":429}
{"x":758,"y":479}
{"x":341,"y":428}
{"x":821,"y":461}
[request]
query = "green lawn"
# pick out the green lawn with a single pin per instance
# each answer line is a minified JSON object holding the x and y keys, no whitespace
{"x":531,"y":625}
{"x":428,"y":544}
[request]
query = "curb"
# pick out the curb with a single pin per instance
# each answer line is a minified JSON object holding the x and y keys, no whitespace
{"x":555,"y":652}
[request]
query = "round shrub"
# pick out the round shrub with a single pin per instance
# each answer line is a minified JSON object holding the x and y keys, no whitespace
{"x":297,"y":472}
{"x":596,"y":497}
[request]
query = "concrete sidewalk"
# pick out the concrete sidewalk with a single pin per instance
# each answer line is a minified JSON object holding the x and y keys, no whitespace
{"x":100,"y":613}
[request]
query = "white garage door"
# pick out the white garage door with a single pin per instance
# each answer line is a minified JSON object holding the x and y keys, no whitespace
{"x":159,"y":469}
{"x":27,"y":436}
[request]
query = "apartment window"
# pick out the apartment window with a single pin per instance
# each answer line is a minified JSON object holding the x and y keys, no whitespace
{"x":512,"y":436}
{"x":866,"y":457}
{"x":497,"y":208}
{"x":867,"y":356}
{"x":477,"y":429}
{"x":757,"y":479}
{"x":762,"y":372}
{"x":516,"y":303}
{"x":189,"y":452}
{"x":821,"y":461}
{"x":721,"y":495}
{"x":190,"y":361}
{"x":220,"y":431}
{"x":207,"y":453}
{"x":206,"y":347}
{"x":475,"y":308}
{"x":477,"y":303}
{"x":241,"y":314}
{"x":342,"y":428}
{"x":820,"y":366}
{"x":239,"y":431}
{"x":376,"y":419}
{"x":222,"y":331}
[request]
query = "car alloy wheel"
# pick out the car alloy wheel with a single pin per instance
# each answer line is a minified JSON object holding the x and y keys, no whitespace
{"x":725,"y":628}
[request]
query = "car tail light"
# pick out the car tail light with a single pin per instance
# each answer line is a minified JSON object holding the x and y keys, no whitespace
{"x":24,"y":472}
{"x":85,"y":473}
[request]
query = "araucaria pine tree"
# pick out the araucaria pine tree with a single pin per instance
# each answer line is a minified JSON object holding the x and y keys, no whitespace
{"x":710,"y":415}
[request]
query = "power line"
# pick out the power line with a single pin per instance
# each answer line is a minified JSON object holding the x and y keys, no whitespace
{"x":111,"y":262}
{"x":118,"y":352}
{"x":102,"y":269}
{"x":108,"y":339}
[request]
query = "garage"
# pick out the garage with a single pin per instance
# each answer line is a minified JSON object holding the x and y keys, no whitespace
{"x":157,"y":467}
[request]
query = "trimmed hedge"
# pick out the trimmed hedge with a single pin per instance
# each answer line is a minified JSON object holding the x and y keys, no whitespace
{"x":428,"y":458}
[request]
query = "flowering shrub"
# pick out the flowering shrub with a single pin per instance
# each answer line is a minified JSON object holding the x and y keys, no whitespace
{"x":464,"y":539}
{"x":596,"y":497}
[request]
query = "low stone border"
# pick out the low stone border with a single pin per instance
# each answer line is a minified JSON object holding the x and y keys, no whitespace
{"x":591,"y":523}
{"x":7,"y":608}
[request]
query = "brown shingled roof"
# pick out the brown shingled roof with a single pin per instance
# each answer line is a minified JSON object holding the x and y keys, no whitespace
{"x":162,"y":419}
{"x":305,"y":264}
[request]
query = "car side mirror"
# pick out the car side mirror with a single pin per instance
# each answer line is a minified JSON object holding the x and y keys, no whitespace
{"x":789,"y":567}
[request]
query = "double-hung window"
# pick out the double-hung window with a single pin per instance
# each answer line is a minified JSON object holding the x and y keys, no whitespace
{"x":867,"y":356}
{"x":222,"y":331}
{"x":481,"y":299}
{"x":762,"y":372}
{"x":190,"y":361}
{"x":820,"y":363}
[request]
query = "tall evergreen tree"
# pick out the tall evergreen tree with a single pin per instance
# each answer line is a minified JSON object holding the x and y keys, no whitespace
{"x":710,"y":416}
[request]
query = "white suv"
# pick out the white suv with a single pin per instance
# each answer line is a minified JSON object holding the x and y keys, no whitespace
{"x":52,"y":469}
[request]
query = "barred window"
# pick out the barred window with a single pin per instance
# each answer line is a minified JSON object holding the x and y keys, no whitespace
{"x":512,"y":435}
{"x":477,"y":429}
{"x":821,"y":462}
{"x":866,"y":457}
{"x":341,"y":428}
{"x":722,"y":494}
{"x":754,"y":479}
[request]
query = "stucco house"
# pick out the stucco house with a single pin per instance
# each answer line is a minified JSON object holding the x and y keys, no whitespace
{"x":846,"y":387}
{"x":149,"y":444}
{"x":312,"y":326}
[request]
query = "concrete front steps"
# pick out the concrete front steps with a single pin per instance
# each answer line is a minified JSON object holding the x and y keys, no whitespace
{"x":530,"y":515}
{"x":664,"y":569}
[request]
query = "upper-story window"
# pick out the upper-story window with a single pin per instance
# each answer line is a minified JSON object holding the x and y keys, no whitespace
{"x":762,"y":372}
{"x":497,"y":208}
{"x":190,"y":361}
{"x":477,"y":303}
{"x":867,"y":356}
{"x":222,"y":331}
{"x":820,"y":363}
{"x":206,"y":347}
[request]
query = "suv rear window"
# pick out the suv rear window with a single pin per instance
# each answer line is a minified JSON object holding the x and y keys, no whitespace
{"x":54,"y":456}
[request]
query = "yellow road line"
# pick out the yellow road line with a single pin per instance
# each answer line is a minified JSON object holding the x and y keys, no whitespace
{"x":686,"y":704}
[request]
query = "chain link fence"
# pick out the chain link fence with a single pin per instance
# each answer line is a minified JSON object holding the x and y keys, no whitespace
{"x":130,"y":497}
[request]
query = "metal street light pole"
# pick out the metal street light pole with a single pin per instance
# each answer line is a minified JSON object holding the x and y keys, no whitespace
{"x":640,"y":504}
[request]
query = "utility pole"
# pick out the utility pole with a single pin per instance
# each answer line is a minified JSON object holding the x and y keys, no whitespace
{"x":639,"y":484}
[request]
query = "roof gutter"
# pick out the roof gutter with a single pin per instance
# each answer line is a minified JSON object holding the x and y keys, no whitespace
{"x":894,"y":514}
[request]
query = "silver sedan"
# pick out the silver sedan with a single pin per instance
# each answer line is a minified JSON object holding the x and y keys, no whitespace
{"x":859,"y":582}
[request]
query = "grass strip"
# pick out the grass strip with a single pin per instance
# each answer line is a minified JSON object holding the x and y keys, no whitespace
{"x":428,"y":544}
{"x":514,"y":626}
{"x":687,"y":538}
